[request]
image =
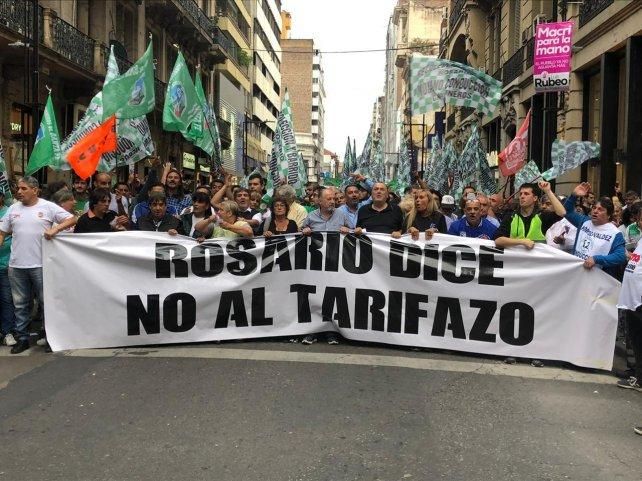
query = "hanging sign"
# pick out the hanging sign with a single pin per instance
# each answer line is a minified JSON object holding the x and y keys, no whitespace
{"x":552,"y":57}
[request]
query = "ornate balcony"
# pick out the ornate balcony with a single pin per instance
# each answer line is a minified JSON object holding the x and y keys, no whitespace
{"x":224,"y":132}
{"x":123,"y":64}
{"x":450,"y":122}
{"x":456,"y":9}
{"x":16,"y":15}
{"x":72,"y":44}
{"x":530,"y":52}
{"x":513,"y":67}
{"x":591,"y":9}
{"x":197,"y":16}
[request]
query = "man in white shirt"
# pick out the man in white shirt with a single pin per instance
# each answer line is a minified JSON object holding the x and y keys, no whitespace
{"x":27,"y":221}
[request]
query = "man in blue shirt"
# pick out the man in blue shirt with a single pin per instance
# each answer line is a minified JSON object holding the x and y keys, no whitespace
{"x":472,"y":224}
{"x":326,"y":218}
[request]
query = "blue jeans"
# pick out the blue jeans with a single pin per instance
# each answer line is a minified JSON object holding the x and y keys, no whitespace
{"x":25,"y":284}
{"x":7,"y":312}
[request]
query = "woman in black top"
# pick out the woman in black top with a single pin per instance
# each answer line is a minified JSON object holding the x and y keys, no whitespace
{"x":279,"y":222}
{"x":424,"y":217}
{"x":98,"y":218}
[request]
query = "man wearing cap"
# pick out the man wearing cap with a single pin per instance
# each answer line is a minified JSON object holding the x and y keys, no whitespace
{"x":448,"y":209}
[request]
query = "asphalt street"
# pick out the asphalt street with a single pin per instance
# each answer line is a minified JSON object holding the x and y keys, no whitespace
{"x":275,"y":411}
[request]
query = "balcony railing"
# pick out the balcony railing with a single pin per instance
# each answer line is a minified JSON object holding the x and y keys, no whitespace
{"x":228,"y":8}
{"x":72,"y":44}
{"x":498,"y":74}
{"x":450,"y":122}
{"x":513,"y":67}
{"x":16,"y":15}
{"x":123,"y":64}
{"x":232,"y":49}
{"x":198,"y":16}
{"x":456,"y":9}
{"x":530,"y":52}
{"x":466,"y":112}
{"x":591,"y":9}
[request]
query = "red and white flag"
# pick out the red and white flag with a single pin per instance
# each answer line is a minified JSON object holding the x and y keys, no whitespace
{"x":513,"y":157}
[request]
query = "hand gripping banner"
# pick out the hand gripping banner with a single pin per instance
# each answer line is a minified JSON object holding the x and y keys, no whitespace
{"x":135,"y":288}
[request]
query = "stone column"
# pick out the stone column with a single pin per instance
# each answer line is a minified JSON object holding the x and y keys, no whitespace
{"x":609,"y":66}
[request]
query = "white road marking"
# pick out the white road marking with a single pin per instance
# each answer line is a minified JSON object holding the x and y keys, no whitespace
{"x":482,"y":367}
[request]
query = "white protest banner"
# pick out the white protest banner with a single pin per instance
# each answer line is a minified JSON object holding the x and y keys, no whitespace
{"x":135,"y":288}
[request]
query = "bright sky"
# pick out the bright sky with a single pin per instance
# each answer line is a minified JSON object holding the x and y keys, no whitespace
{"x":352,"y":81}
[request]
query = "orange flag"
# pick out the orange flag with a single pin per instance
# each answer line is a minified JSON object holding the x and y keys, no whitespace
{"x":85,"y":155}
{"x":514,"y":156}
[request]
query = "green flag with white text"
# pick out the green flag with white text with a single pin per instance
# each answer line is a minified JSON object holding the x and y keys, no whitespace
{"x":131,"y":94}
{"x":182,"y":111}
{"x":46,"y":151}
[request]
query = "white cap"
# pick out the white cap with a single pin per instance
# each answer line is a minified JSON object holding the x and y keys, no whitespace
{"x":447,"y":200}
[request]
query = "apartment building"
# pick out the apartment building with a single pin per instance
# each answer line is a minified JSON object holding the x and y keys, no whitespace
{"x":266,"y":81}
{"x":74,"y":39}
{"x":303,"y":78}
{"x":497,"y":37}
{"x":414,"y":26}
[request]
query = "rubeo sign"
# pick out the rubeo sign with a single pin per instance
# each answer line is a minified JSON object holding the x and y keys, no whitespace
{"x":552,"y":57}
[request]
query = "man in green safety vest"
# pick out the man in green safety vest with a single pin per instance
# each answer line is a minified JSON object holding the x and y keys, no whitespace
{"x":529,"y":225}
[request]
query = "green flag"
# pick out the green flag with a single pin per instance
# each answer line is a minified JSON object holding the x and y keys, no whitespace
{"x":210,"y":142}
{"x":4,"y":177}
{"x":436,"y":82}
{"x":131,"y":95}
{"x":46,"y":151}
{"x":134,"y":136}
{"x":182,"y":111}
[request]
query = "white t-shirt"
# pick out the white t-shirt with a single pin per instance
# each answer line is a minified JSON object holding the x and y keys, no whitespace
{"x":595,"y":240}
{"x":27,"y":225}
{"x":631,"y":292}
{"x":562,"y":227}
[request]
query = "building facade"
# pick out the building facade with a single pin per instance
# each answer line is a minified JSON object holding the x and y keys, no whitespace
{"x":259,"y":127}
{"x":414,"y":26}
{"x":74,"y":39}
{"x":303,"y":78}
{"x":497,"y":37}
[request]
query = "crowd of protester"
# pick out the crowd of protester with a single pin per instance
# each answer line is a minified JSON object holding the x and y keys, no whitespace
{"x":602,"y":231}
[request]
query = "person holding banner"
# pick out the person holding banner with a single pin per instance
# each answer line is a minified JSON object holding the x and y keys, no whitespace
{"x":528,"y":225}
{"x":326,"y":218}
{"x":473,"y":224}
{"x":352,"y":203}
{"x":27,"y":221}
{"x":296,"y":211}
{"x":278,"y":223}
{"x":159,"y":219}
{"x":228,"y":222}
{"x":99,"y":218}
{"x":380,"y":215}
{"x":425,"y":217}
{"x":598,"y":242}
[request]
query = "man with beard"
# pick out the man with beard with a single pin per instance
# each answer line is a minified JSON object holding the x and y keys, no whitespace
{"x":176,"y":196}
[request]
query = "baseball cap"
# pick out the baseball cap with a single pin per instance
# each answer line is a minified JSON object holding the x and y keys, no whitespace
{"x":447,"y":200}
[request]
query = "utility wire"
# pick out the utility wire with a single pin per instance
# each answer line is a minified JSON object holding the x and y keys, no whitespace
{"x":317,"y":52}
